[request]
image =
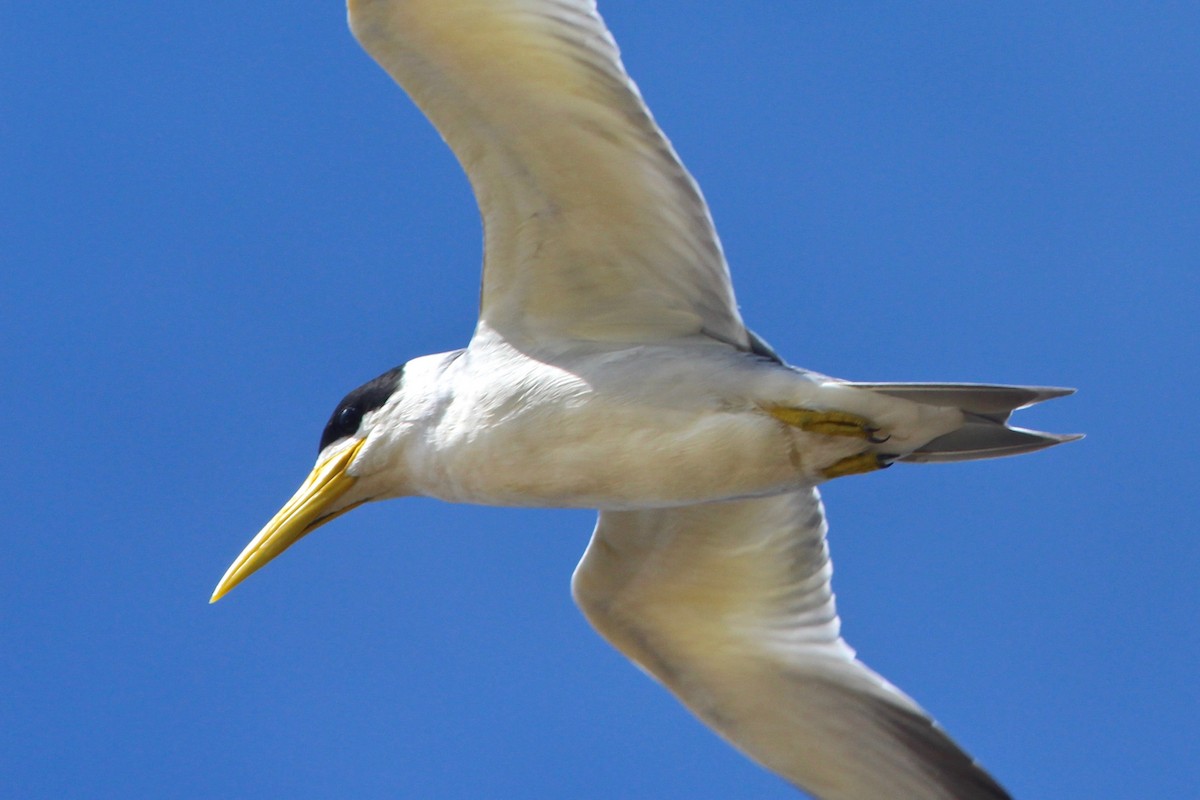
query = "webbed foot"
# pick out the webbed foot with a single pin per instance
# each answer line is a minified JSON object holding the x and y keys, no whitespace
{"x":857,"y":465}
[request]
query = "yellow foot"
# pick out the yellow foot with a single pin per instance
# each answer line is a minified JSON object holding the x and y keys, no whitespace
{"x":827,"y":423}
{"x":857,"y":465}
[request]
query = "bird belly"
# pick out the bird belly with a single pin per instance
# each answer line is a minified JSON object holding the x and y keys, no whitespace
{"x":611,"y":461}
{"x":617,"y":429}
{"x":588,"y":451}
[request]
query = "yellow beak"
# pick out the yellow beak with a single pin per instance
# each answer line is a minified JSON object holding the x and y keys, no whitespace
{"x":304,"y":513}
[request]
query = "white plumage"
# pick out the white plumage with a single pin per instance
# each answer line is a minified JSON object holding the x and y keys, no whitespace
{"x":611,"y":369}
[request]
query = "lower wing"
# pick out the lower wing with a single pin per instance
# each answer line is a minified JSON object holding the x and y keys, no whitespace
{"x":729,"y":605}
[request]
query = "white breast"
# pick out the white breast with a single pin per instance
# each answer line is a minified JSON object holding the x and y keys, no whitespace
{"x":634,"y":427}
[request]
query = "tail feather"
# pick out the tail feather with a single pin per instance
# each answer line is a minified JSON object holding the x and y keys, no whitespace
{"x":985,"y":432}
{"x":991,"y":401}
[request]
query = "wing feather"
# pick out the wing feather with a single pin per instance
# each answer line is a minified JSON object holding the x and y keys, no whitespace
{"x":730,"y":606}
{"x":593,"y":229}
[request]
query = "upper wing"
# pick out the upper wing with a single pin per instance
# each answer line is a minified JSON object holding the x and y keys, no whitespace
{"x":730,"y":606}
{"x":592,"y":227}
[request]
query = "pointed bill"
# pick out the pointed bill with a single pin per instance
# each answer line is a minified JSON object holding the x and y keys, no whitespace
{"x":305,"y":512}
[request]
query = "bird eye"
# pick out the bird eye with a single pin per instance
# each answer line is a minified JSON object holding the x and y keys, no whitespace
{"x":344,"y":422}
{"x":349,"y":417}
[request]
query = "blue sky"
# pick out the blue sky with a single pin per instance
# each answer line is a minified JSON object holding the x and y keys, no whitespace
{"x":219,"y":217}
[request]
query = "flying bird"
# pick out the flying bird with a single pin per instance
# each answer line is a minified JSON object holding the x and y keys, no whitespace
{"x":610,"y":369}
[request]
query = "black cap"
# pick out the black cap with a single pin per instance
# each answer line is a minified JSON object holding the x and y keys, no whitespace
{"x":348,"y":415}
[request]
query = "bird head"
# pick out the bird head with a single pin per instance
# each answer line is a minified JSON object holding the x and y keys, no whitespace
{"x":356,"y":463}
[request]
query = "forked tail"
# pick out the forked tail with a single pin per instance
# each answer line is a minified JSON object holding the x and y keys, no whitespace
{"x":985,"y":432}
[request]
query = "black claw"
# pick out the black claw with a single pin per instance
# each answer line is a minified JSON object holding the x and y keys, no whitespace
{"x":885,"y":460}
{"x":873,"y":439}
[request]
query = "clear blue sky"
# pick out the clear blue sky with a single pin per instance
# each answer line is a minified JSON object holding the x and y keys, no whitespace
{"x":216,"y":218}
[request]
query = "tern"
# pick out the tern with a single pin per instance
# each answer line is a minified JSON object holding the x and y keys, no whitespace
{"x":610,"y":369}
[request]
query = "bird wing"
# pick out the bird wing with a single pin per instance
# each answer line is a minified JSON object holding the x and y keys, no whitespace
{"x":593,"y":229}
{"x":730,"y":606}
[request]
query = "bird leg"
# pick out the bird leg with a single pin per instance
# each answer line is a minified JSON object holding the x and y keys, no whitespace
{"x":827,"y":423}
{"x":837,"y":423}
{"x":857,"y":465}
